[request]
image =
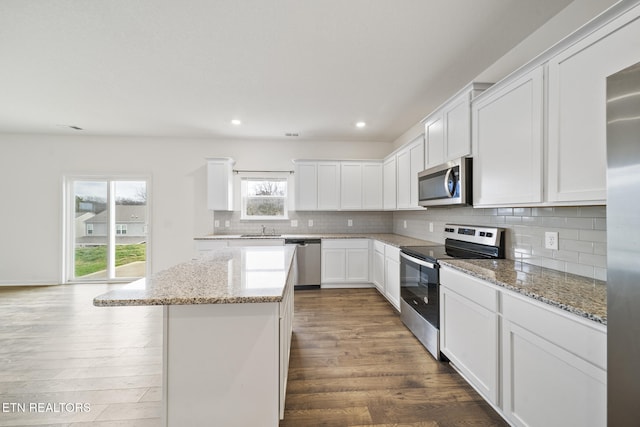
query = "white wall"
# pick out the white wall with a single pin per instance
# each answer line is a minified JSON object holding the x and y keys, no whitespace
{"x":32,"y":168}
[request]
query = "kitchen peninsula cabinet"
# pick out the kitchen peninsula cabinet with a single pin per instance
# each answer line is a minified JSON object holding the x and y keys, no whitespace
{"x":507,"y":134}
{"x":577,"y":159}
{"x":386,"y":271}
{"x":227,"y":329}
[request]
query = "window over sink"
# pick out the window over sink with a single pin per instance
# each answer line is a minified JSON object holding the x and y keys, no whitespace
{"x":264,"y":198}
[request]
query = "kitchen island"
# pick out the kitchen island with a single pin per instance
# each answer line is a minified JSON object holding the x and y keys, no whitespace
{"x":226,"y":334}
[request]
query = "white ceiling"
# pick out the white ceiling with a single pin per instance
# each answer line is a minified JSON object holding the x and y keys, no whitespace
{"x":186,"y":68}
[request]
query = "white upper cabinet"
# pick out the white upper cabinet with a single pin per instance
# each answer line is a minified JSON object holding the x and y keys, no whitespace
{"x":306,"y":192}
{"x":338,"y":185}
{"x":507,"y":143}
{"x":351,"y":185}
{"x":389,"y":183}
{"x":577,"y":109}
{"x":447,"y":131}
{"x":410,"y":161}
{"x":220,"y":184}
{"x":372,"y":185}
{"x":328,"y":185}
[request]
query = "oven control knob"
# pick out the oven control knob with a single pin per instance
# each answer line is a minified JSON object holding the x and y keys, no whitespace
{"x":426,"y":300}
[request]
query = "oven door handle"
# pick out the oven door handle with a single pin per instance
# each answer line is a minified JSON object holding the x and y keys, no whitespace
{"x":417,"y":261}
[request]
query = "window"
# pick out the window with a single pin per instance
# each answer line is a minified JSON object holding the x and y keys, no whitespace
{"x":121,"y":228}
{"x":264,"y":198}
{"x":89,"y":229}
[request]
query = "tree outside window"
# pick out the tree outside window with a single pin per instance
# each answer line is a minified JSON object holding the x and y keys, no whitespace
{"x":264,"y":198}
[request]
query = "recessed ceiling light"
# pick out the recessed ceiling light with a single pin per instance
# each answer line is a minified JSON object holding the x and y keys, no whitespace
{"x":236,"y":122}
{"x":360,"y":124}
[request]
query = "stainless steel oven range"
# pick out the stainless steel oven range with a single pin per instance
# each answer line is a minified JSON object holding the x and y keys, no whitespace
{"x":420,"y":281}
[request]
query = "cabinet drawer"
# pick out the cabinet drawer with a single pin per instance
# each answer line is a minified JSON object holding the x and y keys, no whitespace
{"x":586,"y":341}
{"x":345,"y":243}
{"x":474,"y":289}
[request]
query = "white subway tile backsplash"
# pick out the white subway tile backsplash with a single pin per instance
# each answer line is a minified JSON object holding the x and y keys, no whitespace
{"x":581,"y":231}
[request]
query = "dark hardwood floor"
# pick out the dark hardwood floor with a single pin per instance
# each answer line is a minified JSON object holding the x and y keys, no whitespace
{"x":353,"y":363}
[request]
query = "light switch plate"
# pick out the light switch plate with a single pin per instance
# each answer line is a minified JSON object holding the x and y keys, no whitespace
{"x":216,"y":223}
{"x":294,"y":222}
{"x":349,"y":223}
{"x":310,"y":223}
{"x":227,"y":223}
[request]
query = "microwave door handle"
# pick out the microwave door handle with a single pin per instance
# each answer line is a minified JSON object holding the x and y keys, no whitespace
{"x":417,"y":261}
{"x":447,"y":191}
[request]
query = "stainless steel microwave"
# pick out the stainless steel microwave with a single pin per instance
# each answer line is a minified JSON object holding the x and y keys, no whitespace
{"x":446,"y":185}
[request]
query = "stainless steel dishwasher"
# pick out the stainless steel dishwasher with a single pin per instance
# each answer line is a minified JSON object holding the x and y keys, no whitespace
{"x":308,"y":259}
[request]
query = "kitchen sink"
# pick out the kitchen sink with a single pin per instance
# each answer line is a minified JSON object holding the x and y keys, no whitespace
{"x":261,"y":235}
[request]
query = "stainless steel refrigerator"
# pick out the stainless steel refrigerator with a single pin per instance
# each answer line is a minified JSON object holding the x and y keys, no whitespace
{"x":623,"y":247}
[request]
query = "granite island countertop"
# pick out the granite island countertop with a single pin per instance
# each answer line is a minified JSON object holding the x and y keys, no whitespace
{"x":227,"y":276}
{"x":396,"y":240}
{"x":576,"y":294}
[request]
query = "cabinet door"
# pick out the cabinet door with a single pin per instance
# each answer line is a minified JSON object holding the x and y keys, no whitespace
{"x":545,"y":385}
{"x":416,"y":152}
{"x":207,"y":247}
{"x":378,"y":271}
{"x":577,"y":111}
{"x":507,"y":136}
{"x":329,"y":185}
{"x":351,"y":185}
{"x":457,"y":119}
{"x":334,"y":267}
{"x":469,"y":338}
{"x":434,"y":142}
{"x":392,"y":281}
{"x":372,"y":186}
{"x":403,"y":191}
{"x":306,"y":186}
{"x":357,"y":269}
{"x":389,"y":187}
{"x":220,"y":184}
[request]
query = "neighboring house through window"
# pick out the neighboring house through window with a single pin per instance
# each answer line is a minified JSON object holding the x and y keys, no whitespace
{"x":121,"y":229}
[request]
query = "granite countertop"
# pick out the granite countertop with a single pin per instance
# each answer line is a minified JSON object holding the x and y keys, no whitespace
{"x":396,"y":240}
{"x":576,"y":294}
{"x":227,"y":276}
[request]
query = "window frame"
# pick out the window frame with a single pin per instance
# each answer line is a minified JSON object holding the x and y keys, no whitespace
{"x":244,"y":197}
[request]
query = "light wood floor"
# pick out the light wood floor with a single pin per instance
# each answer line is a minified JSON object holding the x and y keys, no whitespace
{"x":353,"y":363}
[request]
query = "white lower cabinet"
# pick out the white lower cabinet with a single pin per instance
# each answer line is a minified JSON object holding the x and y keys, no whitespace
{"x":536,"y":364}
{"x":553,"y":367}
{"x":204,"y":247}
{"x":469,"y":330}
{"x":386,"y":271}
{"x":344,"y":262}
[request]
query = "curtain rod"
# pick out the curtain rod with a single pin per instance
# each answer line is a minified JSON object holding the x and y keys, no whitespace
{"x":237,"y":171}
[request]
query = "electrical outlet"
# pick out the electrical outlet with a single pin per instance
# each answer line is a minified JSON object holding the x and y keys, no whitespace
{"x":430,"y":227}
{"x":310,"y":223}
{"x":551,"y":240}
{"x":216,"y":223}
{"x":227,"y":223}
{"x":404,"y":223}
{"x":349,"y":223}
{"x":294,"y":222}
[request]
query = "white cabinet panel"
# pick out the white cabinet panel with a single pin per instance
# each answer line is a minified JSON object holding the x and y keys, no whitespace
{"x":434,"y":141}
{"x":372,"y":186}
{"x":351,"y":185}
{"x":329,"y":185}
{"x":469,"y":338}
{"x":410,"y":161}
{"x":392,"y":275}
{"x":204,"y":247}
{"x":389,"y":186}
{"x":306,"y":191}
{"x":507,"y":138}
{"x":220,"y":184}
{"x":345,"y":261}
{"x":378,"y":270}
{"x":457,"y":118}
{"x":577,"y":111}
